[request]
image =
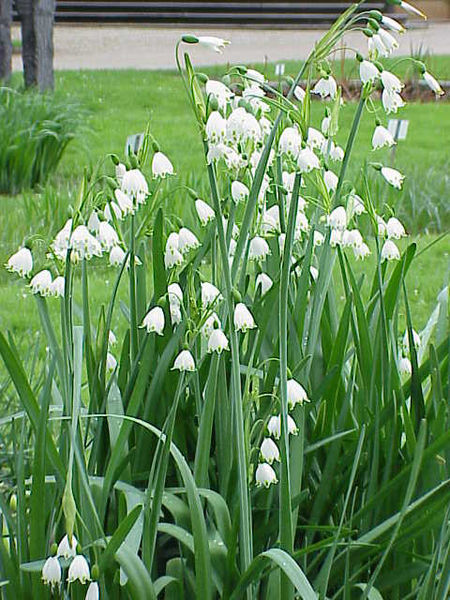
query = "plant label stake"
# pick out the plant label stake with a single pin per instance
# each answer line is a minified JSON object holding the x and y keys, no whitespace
{"x":134,"y":143}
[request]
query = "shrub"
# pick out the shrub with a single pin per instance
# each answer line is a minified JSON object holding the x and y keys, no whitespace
{"x":254,"y":434}
{"x":34,"y":132}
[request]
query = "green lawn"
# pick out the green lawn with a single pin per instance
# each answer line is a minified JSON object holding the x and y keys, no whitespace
{"x":119,"y":103}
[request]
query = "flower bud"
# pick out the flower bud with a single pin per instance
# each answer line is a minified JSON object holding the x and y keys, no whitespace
{"x":202,"y":77}
{"x":13,"y":503}
{"x":115,"y":159}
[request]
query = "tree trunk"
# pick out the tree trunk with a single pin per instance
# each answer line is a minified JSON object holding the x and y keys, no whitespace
{"x":5,"y":38}
{"x":36,"y":17}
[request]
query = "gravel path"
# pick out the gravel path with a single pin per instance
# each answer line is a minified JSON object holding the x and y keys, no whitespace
{"x":138,"y":47}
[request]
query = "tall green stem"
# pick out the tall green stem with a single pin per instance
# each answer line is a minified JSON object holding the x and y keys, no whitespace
{"x":133,"y":311}
{"x":245,"y":515}
{"x":285,"y":514}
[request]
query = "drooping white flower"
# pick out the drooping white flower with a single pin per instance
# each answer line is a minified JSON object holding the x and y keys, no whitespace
{"x":269,"y":451}
{"x":335,"y":238}
{"x":264,"y":281}
{"x":391,"y":82}
{"x":404,"y":366}
{"x":326,"y":86}
{"x":314,"y":272}
{"x":368,"y":72}
{"x":416,"y":341}
{"x":281,"y":242}
{"x":239,"y":191}
{"x":210,"y":294}
{"x":395,"y":229}
{"x":116,"y":256}
{"x":382,"y":137}
{"x":318,"y":238}
{"x":220,"y":91}
{"x":213,"y":43}
{"x":361,"y":251}
{"x":274,"y":426}
{"x":290,"y":142}
{"x":393,"y":177}
{"x":336,"y":152}
{"x":175,"y":293}
{"x":175,"y":314}
{"x":135,"y":185}
{"x":154,"y":321}
{"x":271,"y":219}
{"x":389,"y":41}
{"x":187,"y":240}
{"x":315,"y":138}
{"x":79,"y":570}
{"x":307,"y":160}
{"x":112,"y":340}
{"x":255,"y":77}
{"x":93,"y":222}
{"x":356,"y":204}
{"x":204,"y":211}
{"x":301,"y":225}
{"x":265,"y":126}
{"x":84,"y":244}
{"x":337,"y":219}
{"x":124,"y":202}
{"x":235,"y":123}
{"x":265,"y":476}
{"x":392,"y":24}
{"x":381,"y":226}
{"x":325,"y":125}
{"x":351,"y":238}
{"x":21,"y":262}
{"x":51,"y":572}
{"x":433,"y":83}
{"x":299,"y":93}
{"x":57,"y":287}
{"x":217,"y":341}
{"x":412,"y":10}
{"x":216,"y":152}
{"x":172,"y":256}
{"x":184,"y":362}
{"x":296,"y":394}
{"x":216,"y":128}
{"x":330,"y":180}
{"x":66,"y":549}
{"x":376,"y":45}
{"x":243,"y":318}
{"x":211,"y":323}
{"x":42,"y":283}
{"x":389,"y":251}
{"x":115,"y":210}
{"x":161,"y":165}
{"x":250,"y":128}
{"x":259,"y":249}
{"x":120,"y":170}
{"x":111,"y":362}
{"x":391,"y":101}
{"x":61,"y":242}
{"x":107,"y":236}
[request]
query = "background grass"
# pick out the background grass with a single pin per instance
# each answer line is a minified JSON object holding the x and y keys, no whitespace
{"x":120,"y":103}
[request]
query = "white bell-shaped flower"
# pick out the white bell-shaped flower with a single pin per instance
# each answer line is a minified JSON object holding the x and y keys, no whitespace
{"x":213,"y":43}
{"x":111,"y":362}
{"x":42,"y":283}
{"x":250,"y":128}
{"x":299,"y":93}
{"x":271,"y":219}
{"x":57,"y":287}
{"x":124,"y":202}
{"x":187,"y":240}
{"x":281,"y":242}
{"x":217,"y":341}
{"x":84,"y":245}
{"x":391,"y":82}
{"x":416,"y":341}
{"x":175,"y":314}
{"x":211,"y":323}
{"x":265,"y":476}
{"x":318,"y":238}
{"x":52,"y":572}
{"x":351,"y":238}
{"x":392,"y":24}
{"x":239,"y":191}
{"x":235,"y":124}
{"x":330,"y":180}
{"x":216,"y":128}
{"x":120,"y":170}
{"x":336,"y":152}
{"x":404,"y":366}
{"x":433,"y":84}
{"x":154,"y":321}
{"x":243,"y":319}
{"x":315,"y":138}
{"x":259,"y":249}
{"x":393,"y":177}
{"x":274,"y":426}
{"x":116,"y":256}
{"x":368,"y":72}
{"x":337,"y":219}
{"x":107,"y":236}
{"x":362,"y":251}
{"x":93,"y":222}
{"x":110,"y":209}
{"x":264,"y":281}
{"x":307,"y":160}
{"x":220,"y":91}
{"x":326,"y":86}
{"x":79,"y":570}
{"x":336,"y":237}
{"x":395,"y":229}
{"x":184,"y":362}
{"x":381,"y":226}
{"x":172,"y":255}
{"x":161,"y":165}
{"x":210,"y":294}
{"x":389,"y":41}
{"x":175,"y":293}
{"x":135,"y":185}
{"x":290,"y":142}
{"x":296,"y":394}
{"x":269,"y":451}
{"x":376,"y":46}
{"x":204,"y":211}
{"x":389,"y":251}
{"x":93,"y":592}
{"x":382,"y":137}
{"x":21,"y":262}
{"x":391,"y":101}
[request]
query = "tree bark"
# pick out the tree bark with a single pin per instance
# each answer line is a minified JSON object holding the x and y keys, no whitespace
{"x":5,"y":38}
{"x":36,"y":17}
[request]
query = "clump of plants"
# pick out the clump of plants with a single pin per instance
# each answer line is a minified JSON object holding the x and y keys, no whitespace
{"x":255,"y":433}
{"x":35,"y":130}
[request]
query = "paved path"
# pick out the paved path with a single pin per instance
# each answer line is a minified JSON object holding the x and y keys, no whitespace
{"x":139,"y":47}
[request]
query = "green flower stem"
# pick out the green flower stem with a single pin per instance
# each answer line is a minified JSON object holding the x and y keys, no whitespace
{"x":349,"y":146}
{"x":133,"y":312}
{"x":245,"y":515}
{"x":285,"y":514}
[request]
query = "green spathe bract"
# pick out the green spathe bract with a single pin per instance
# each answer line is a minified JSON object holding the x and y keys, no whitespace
{"x":152,"y":468}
